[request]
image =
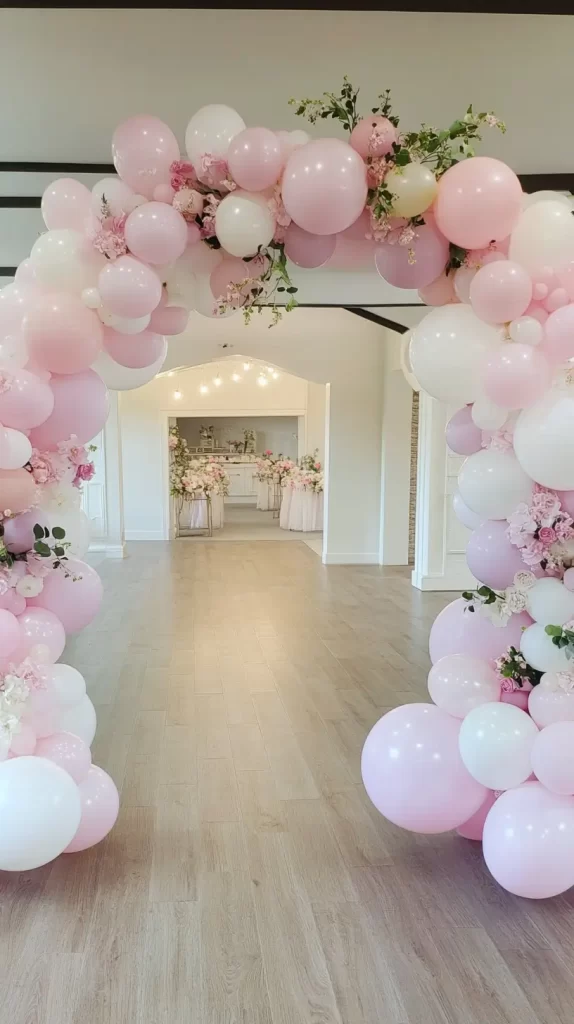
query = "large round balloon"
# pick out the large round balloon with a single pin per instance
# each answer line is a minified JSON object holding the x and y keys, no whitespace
{"x":493,"y":483}
{"x":156,"y":233}
{"x":62,"y":335}
{"x":413,"y":772}
{"x":324,"y":186}
{"x":143,"y":150}
{"x":129,"y":288}
{"x":416,"y":265}
{"x":244,"y":223}
{"x":66,"y":683}
{"x":66,"y":261}
{"x":100,"y":806}
{"x":210,"y":131}
{"x":123,"y":378}
{"x":552,"y":700}
{"x":67,"y":203}
{"x":136,"y":351}
{"x":492,"y":558}
{"x":67,"y":751}
{"x":543,"y":237}
{"x":479,"y":201}
{"x":42,"y":629}
{"x":255,"y":158}
{"x":448,"y":350}
{"x":459,"y":683}
{"x":74,"y":595}
{"x":26,"y":402}
{"x":496,"y":742}
{"x":528,"y":841}
{"x":40,"y":812}
{"x":456,"y":630}
{"x":80,"y":719}
{"x":552,"y":760}
{"x":544,"y":438}
{"x":15,"y":448}
{"x":550,"y":602}
{"x":539,"y":651}
{"x":81,"y":405}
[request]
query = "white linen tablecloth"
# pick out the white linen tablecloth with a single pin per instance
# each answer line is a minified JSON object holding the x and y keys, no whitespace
{"x":301,"y":511}
{"x":265,"y":495}
{"x":194,"y":514}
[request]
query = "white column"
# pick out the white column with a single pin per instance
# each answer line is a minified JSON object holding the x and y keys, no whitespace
{"x":440,"y":562}
{"x":110,"y":539}
{"x":396,"y":457}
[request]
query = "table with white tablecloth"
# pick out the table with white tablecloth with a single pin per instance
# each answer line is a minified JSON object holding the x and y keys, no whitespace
{"x":265,"y":495}
{"x":194,"y":515}
{"x":301,"y":510}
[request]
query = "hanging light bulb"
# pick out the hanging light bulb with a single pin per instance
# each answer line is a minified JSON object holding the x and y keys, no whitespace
{"x":246,"y":366}
{"x":262,"y":380}
{"x":235,"y":377}
{"x":217,"y":381}
{"x":203,"y":389}
{"x":270,"y":369}
{"x":170,"y":373}
{"x":275,"y":375}
{"x":177,"y":395}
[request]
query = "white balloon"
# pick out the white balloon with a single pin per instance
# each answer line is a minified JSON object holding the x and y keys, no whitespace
{"x":486,"y":415}
{"x":543,"y":237}
{"x":15,"y":300}
{"x":123,"y":325}
{"x":204,"y":301}
{"x":119,"y":197}
{"x":492,"y":483}
{"x":406,"y":362}
{"x":60,"y":498}
{"x":530,"y":199}
{"x":539,"y":651}
{"x":243,"y":222}
{"x":13,"y":349}
{"x":211,"y":130}
{"x":448,"y":350}
{"x":68,"y":685}
{"x":80,"y":719}
{"x":65,"y":260}
{"x":463,"y":278}
{"x":122,"y":378}
{"x":15,"y":448}
{"x":76,"y":524}
{"x":91,"y":298}
{"x":544,"y":439}
{"x":550,"y":603}
{"x":526,"y":329}
{"x":495,"y":743}
{"x":40,"y":811}
{"x":464,"y":514}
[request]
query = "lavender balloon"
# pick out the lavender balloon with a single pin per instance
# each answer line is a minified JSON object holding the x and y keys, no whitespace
{"x":462,"y":435}
{"x":491,"y":557}
{"x":458,"y":631}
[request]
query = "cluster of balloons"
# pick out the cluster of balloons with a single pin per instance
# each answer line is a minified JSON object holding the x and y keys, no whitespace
{"x":494,"y":763}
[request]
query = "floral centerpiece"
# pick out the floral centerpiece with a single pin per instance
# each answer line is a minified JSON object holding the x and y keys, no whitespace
{"x":515,"y":673}
{"x":499,"y":606}
{"x":306,"y":476}
{"x":266,"y":464}
{"x":544,"y":532}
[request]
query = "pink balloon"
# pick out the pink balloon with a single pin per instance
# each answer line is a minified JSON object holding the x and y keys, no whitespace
{"x":558,"y":343}
{"x":255,"y":159}
{"x":10,"y":636}
{"x":473,"y":828}
{"x":458,"y":631}
{"x":143,"y":150}
{"x":556,"y":300}
{"x":17,"y":490}
{"x":15,"y":300}
{"x":552,"y":757}
{"x":163,"y":194}
{"x":537,"y":311}
{"x":549,"y":702}
{"x":13,"y":602}
{"x":567,"y":502}
{"x":41,"y":627}
{"x":479,"y":201}
{"x":458,"y":683}
{"x":66,"y":203}
{"x":231,"y":271}
{"x":439,"y":292}
{"x":517,"y":697}
{"x":462,"y":434}
{"x":414,"y":265}
{"x":67,"y":751}
{"x":500,"y":291}
{"x":413,"y":772}
{"x":193,"y":234}
{"x":100,"y":805}
{"x":23,"y":742}
{"x":26,"y":273}
{"x":491,"y":557}
{"x":81,"y":405}
{"x":307,"y":250}
{"x":74,"y":596}
{"x":169,"y":320}
{"x":129,"y":288}
{"x":324,"y":186}
{"x":528,"y":841}
{"x":62,"y":335}
{"x":516,"y":375}
{"x":368,"y":144}
{"x":156,"y":233}
{"x":134,"y":350}
{"x":27,"y":400}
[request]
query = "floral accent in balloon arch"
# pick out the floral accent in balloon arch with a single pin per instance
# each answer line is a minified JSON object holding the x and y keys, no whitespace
{"x":215,"y":229}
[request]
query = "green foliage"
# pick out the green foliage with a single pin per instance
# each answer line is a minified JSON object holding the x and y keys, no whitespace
{"x":562,"y":638}
{"x":341,"y":107}
{"x":514,"y":666}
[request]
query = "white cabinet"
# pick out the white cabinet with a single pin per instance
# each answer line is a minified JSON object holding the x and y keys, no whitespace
{"x":242,"y":483}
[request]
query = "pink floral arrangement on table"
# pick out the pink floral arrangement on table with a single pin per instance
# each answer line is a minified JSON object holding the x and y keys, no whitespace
{"x":266,"y":466}
{"x":283,"y":467}
{"x":543,"y":531}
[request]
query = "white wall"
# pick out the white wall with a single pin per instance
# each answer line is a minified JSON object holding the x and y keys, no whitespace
{"x":278,"y":434}
{"x":315,"y":425}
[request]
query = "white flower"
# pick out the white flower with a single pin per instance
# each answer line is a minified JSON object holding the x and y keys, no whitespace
{"x":515,"y":599}
{"x":29,"y":586}
{"x":9,"y":724}
{"x":498,"y":612}
{"x":524,"y":580}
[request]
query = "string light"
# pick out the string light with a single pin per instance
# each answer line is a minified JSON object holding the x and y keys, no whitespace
{"x":275,"y":375}
{"x":235,"y":377}
{"x":270,"y":369}
{"x":262,"y":380}
{"x":177,"y":395}
{"x":170,"y":373}
{"x":246,"y":366}
{"x":217,"y":381}
{"x":203,"y":389}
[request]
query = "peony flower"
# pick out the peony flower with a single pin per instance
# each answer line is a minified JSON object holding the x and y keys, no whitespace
{"x":507,"y":685}
{"x":182,"y":175}
{"x":189,"y":203}
{"x":110,"y":239}
{"x":43,"y":467}
{"x":516,"y":600}
{"x":6,"y":381}
{"x":547,"y":535}
{"x":84,"y":473}
{"x":524,"y":580}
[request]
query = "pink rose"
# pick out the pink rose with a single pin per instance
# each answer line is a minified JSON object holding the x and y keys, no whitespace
{"x":547,"y":535}
{"x":84,"y":473}
{"x":507,"y":685}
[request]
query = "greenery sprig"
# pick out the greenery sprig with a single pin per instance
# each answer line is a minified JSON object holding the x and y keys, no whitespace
{"x":43,"y":547}
{"x":513,"y":665}
{"x":342,"y":106}
{"x":562,"y":638}
{"x":483,"y":595}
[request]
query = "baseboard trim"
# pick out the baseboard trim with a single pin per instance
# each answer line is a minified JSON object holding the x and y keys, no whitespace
{"x":350,"y":558}
{"x":145,"y":535}
{"x":109,"y":550}
{"x":454,"y":581}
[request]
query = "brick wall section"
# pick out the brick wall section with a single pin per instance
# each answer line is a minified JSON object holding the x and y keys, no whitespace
{"x":413,"y":476}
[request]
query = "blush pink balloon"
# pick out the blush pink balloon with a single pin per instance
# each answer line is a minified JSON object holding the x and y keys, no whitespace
{"x":163,"y":194}
{"x":567,"y":502}
{"x":255,"y":158}
{"x":74,"y":596}
{"x":556,"y":300}
{"x":10,"y":635}
{"x":458,"y":631}
{"x":169,"y":320}
{"x":414,"y":265}
{"x":67,"y":751}
{"x":491,"y":557}
{"x":81,"y":406}
{"x":13,"y":602}
{"x":231,"y":270}
{"x":134,"y":350}
{"x":307,"y":250}
{"x":66,"y":203}
{"x":62,"y":334}
{"x":516,"y":375}
{"x":552,"y":760}
{"x":479,"y":201}
{"x":528,"y":841}
{"x":15,"y":300}
{"x":558,"y":342}
{"x":462,"y":435}
{"x":41,"y":627}
{"x":100,"y":806}
{"x":458,"y":683}
{"x":129,"y":288}
{"x":324,"y":186}
{"x":143,"y":150}
{"x":439,"y":292}
{"x":26,"y":402}
{"x":413,"y":772}
{"x":474,"y":827}
{"x":549,"y":702}
{"x":366,"y":143}
{"x":156,"y":233}
{"x":17,"y":490}
{"x":517,"y":697}
{"x":193,"y":234}
{"x":500,"y":291}
{"x":537,"y":311}
{"x":23,"y":742}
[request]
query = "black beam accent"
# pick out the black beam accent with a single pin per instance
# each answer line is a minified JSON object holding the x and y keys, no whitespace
{"x":20,"y":202}
{"x":366,"y":314}
{"x":55,"y":167}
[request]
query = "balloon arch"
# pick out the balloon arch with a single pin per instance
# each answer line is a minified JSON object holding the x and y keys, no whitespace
{"x":118,"y":271}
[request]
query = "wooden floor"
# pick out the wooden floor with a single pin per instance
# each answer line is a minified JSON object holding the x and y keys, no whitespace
{"x":249,"y":880}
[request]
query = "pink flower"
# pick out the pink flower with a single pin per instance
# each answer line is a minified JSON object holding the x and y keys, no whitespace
{"x":214,"y":172}
{"x":282,"y":218}
{"x":43,"y":468}
{"x":6,"y":381}
{"x":547,"y":535}
{"x":209,"y":210}
{"x":110,"y":239}
{"x":189,"y":203}
{"x":182,"y":175}
{"x":533,"y":552}
{"x":84,"y":473}
{"x":172,"y":443}
{"x":507,"y":685}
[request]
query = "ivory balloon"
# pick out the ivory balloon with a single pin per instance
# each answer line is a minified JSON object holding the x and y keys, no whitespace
{"x":464,"y":514}
{"x":487,"y":415}
{"x":459,"y":683}
{"x":15,"y":448}
{"x":414,"y":189}
{"x":552,"y":760}
{"x":543,"y":236}
{"x":80,"y":719}
{"x":447,"y":352}
{"x":539,"y":651}
{"x":39,"y":812}
{"x":550,"y":603}
{"x":492,"y":483}
{"x":210,"y":131}
{"x":496,"y":743}
{"x":243,"y":223}
{"x":66,"y":683}
{"x":544,"y":437}
{"x":65,"y":260}
{"x":551,"y":701}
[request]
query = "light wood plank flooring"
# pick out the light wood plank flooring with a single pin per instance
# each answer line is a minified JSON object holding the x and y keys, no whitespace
{"x":249,"y":880}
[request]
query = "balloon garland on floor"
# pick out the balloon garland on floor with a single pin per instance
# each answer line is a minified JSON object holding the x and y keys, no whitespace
{"x":119,"y":270}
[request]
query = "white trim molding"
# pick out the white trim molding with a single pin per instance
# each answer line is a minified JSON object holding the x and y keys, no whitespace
{"x":350,"y":558}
